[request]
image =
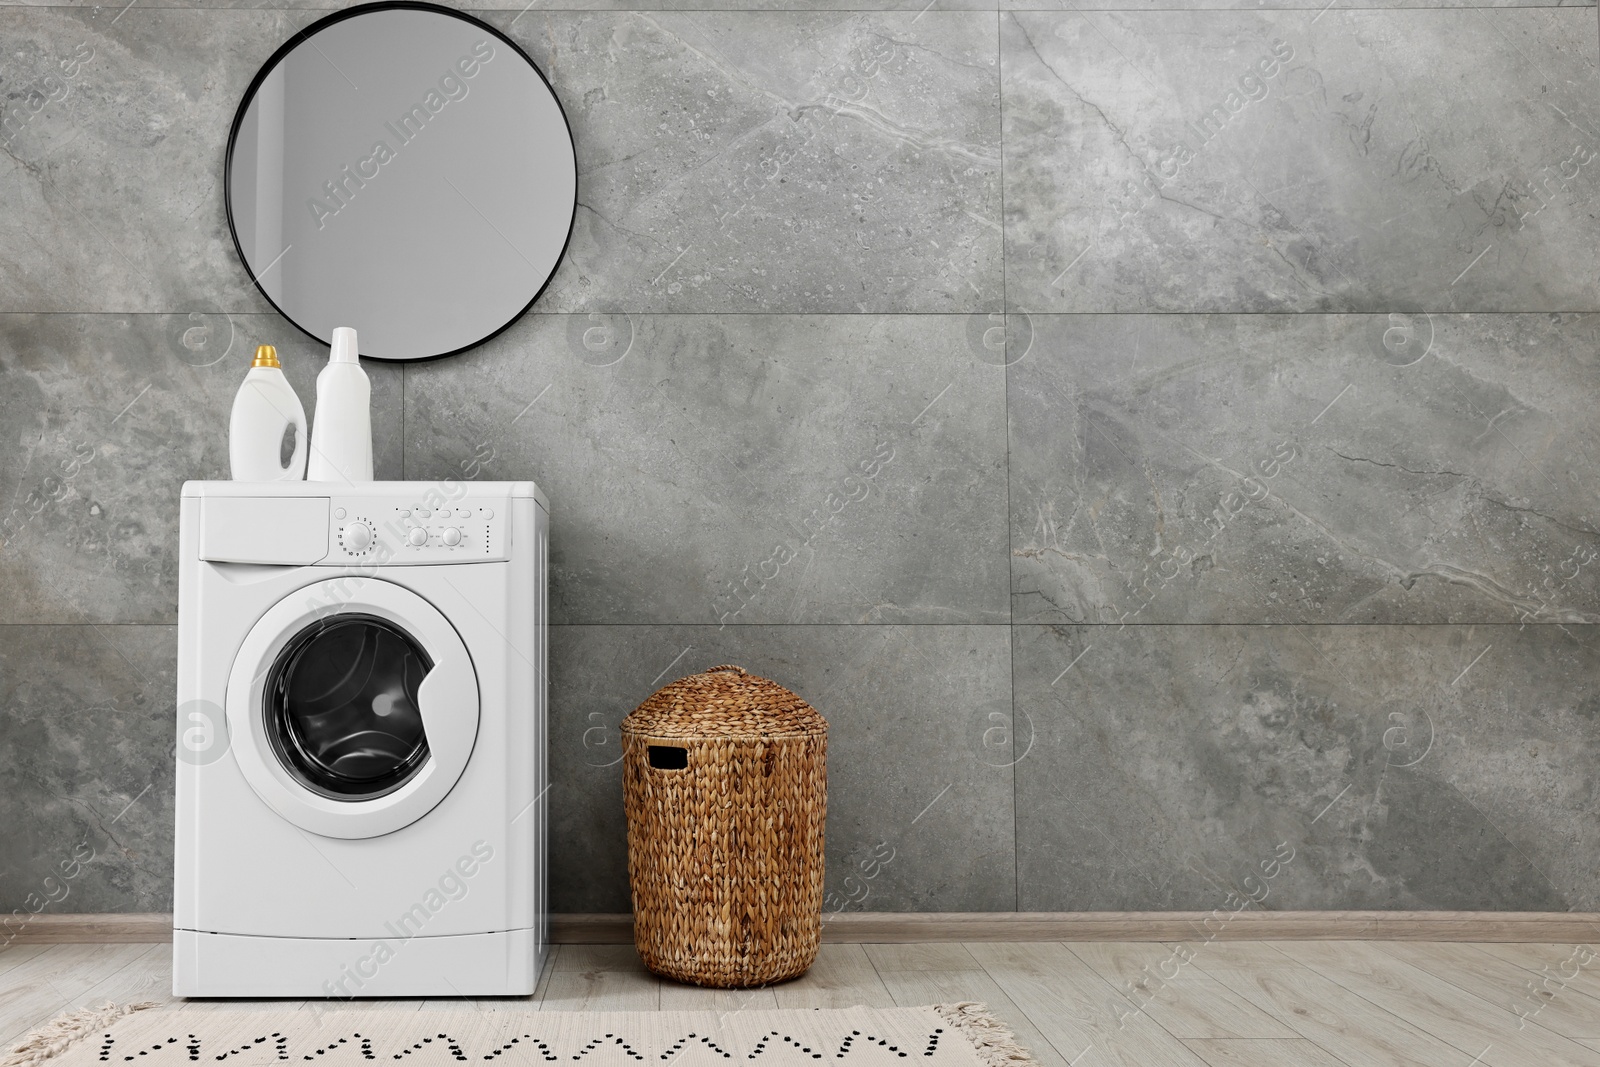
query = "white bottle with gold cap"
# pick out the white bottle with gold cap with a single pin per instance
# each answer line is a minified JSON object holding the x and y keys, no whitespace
{"x":264,"y":409}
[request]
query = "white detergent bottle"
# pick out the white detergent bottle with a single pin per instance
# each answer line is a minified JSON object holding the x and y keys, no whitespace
{"x":341,"y":433}
{"x":262,"y":412}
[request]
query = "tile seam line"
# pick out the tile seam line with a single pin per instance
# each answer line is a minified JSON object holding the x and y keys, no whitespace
{"x":1005,"y":421}
{"x":1080,"y":625}
{"x":929,"y":625}
{"x":535,"y":316}
{"x":86,"y":625}
{"x":1042,"y":9}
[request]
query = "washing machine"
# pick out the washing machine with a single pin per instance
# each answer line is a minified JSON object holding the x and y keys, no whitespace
{"x":361,"y":740}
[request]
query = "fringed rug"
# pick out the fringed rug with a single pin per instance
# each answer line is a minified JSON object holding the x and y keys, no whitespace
{"x":946,"y":1035}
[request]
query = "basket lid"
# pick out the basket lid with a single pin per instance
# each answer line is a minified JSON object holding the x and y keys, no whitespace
{"x":724,"y":701}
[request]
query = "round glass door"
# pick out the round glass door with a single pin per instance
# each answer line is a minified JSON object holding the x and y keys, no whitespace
{"x":340,"y":707}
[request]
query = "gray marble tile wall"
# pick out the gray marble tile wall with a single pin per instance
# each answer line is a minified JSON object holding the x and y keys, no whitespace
{"x":1226,"y":378}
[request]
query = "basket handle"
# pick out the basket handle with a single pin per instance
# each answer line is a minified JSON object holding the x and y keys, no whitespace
{"x":730,"y":667}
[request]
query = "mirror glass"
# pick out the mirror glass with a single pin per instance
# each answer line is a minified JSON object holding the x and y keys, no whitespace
{"x":405,"y":170}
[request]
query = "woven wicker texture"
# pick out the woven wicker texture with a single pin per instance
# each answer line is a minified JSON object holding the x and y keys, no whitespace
{"x":725,"y":851}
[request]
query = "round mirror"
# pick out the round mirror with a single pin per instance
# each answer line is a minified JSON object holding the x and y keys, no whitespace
{"x":406,"y":170}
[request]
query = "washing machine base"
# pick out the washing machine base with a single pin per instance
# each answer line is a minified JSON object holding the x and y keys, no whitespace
{"x":463,"y":965}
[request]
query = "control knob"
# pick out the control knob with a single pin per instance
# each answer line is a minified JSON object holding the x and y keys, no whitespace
{"x":452,"y":536}
{"x":357,"y":536}
{"x":418,"y":536}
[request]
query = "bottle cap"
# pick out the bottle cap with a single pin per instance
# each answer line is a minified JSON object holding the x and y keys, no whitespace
{"x":344,"y":345}
{"x":266,"y":356}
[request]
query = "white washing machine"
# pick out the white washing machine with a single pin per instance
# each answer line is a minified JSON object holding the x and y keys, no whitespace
{"x":361,"y":740}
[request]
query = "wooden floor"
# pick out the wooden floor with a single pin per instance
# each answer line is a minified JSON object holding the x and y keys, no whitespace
{"x":1240,"y":1004}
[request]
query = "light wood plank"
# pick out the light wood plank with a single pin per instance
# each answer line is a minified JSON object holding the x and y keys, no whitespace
{"x":602,"y":991}
{"x":1077,"y":1010}
{"x":146,"y":978}
{"x":600,"y":978}
{"x":1352,"y":1029}
{"x":482,"y":1005}
{"x":912,"y":977}
{"x":1128,"y":963}
{"x":497,"y":1004}
{"x":1190,"y":1004}
{"x":1256,"y":1053}
{"x":57,"y":980}
{"x":596,"y":957}
{"x":1566,"y":1011}
{"x":1557,"y":962}
{"x":675,"y":996}
{"x":937,"y":956}
{"x":1475,"y":1026}
{"x":842,"y":977}
{"x":1239,"y":955}
{"x":17,"y":952}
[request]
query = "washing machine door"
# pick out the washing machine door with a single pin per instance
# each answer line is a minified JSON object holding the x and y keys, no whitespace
{"x":352,"y":707}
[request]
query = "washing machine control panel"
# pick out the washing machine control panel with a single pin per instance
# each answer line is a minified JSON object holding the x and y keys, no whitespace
{"x":418,"y":531}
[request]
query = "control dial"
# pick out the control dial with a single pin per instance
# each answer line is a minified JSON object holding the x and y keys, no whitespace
{"x":357,"y":536}
{"x":451,"y":537}
{"x":417,"y":536}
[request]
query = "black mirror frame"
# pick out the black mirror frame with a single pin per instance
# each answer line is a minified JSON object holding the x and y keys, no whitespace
{"x":294,"y":42}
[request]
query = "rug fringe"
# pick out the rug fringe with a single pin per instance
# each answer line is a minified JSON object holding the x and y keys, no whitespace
{"x":55,"y":1036}
{"x":991,"y":1039}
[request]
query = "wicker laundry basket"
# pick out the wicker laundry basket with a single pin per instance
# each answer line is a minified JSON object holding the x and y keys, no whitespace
{"x":724,"y":779}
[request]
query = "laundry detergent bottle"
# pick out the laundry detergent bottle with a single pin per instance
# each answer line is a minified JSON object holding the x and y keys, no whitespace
{"x":262,"y":412}
{"x":341,"y":432}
